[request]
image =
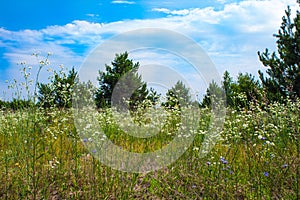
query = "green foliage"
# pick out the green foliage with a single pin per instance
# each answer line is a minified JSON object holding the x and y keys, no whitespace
{"x":283,"y":70}
{"x":16,"y":104}
{"x":227,"y":87}
{"x":59,"y":91}
{"x":122,"y":68}
{"x":245,"y":90}
{"x":153,"y":96}
{"x":2,"y":104}
{"x":139,"y":95}
{"x":213,"y":93}
{"x":239,"y":94}
{"x":83,"y":94}
{"x":178,"y":96}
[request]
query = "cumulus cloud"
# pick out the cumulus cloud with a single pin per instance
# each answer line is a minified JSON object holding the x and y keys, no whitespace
{"x":231,"y":36}
{"x":77,"y":27}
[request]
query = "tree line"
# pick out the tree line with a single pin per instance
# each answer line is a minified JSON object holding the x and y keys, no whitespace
{"x":281,"y":81}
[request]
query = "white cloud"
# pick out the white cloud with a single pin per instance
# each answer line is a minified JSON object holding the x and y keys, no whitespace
{"x":231,"y":36}
{"x":92,"y":15}
{"x":172,"y":12}
{"x":77,"y":27}
{"x":123,"y":2}
{"x":221,"y":1}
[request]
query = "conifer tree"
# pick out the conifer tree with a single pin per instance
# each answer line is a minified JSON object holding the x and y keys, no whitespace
{"x":122,"y":74}
{"x":283,"y":67}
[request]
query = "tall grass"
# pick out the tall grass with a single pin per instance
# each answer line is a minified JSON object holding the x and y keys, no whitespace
{"x":42,"y":156}
{"x":258,"y":158}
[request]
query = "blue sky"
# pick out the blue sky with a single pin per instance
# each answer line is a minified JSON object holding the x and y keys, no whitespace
{"x":229,"y":31}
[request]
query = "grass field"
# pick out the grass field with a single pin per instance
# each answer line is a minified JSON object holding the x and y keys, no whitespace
{"x":43,"y":157}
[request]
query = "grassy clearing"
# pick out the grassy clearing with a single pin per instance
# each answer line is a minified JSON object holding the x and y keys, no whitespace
{"x":42,"y":157}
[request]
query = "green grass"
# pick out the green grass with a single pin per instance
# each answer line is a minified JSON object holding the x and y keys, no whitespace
{"x":43,"y":157}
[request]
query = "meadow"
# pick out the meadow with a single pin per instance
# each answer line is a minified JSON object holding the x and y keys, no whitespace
{"x":42,"y":156}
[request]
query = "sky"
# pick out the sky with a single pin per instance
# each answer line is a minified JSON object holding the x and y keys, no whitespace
{"x":230,"y":32}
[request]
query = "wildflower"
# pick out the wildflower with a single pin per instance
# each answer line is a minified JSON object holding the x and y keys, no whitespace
{"x":94,"y":151}
{"x":284,"y":166}
{"x":261,"y":137}
{"x":85,"y":140}
{"x":196,"y":149}
{"x":266,"y":174}
{"x":208,"y":163}
{"x":223,"y":160}
{"x":53,"y":163}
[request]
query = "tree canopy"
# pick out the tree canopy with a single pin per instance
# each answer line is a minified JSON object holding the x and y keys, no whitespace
{"x":59,"y":91}
{"x":122,"y":77}
{"x":283,"y":67}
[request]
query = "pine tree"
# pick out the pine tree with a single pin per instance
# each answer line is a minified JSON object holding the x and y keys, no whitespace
{"x":121,"y":78}
{"x":213,"y":93}
{"x":227,"y":87}
{"x":283,"y":69}
{"x":178,"y":96}
{"x":238,"y":93}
